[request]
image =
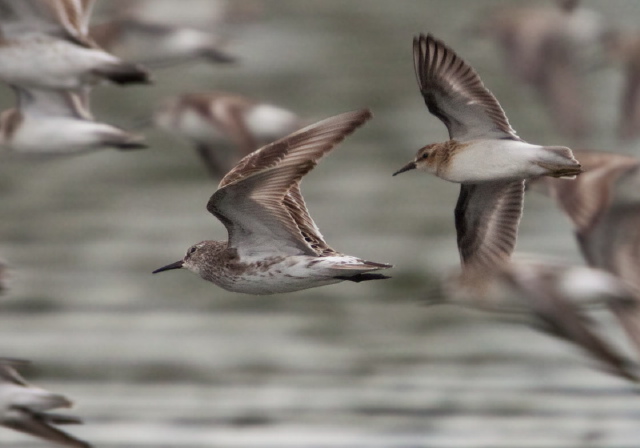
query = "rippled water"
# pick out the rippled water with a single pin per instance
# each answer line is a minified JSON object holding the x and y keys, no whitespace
{"x":172,"y":361}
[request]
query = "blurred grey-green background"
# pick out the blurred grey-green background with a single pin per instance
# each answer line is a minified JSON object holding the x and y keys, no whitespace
{"x":173,"y":361}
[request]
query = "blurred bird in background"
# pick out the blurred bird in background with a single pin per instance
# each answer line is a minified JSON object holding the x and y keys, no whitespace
{"x":551,"y":47}
{"x":26,"y":408}
{"x":158,"y":34}
{"x":213,"y":120}
{"x":52,"y":114}
{"x":603,"y":205}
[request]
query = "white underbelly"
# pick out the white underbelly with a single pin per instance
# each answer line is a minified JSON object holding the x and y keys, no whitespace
{"x":494,"y":160}
{"x":267,"y":123}
{"x":58,"y":135}
{"x":194,"y":126}
{"x":60,"y":64}
{"x":291,"y":274}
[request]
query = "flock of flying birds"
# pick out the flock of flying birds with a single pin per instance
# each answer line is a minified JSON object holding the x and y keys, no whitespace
{"x":49,"y":57}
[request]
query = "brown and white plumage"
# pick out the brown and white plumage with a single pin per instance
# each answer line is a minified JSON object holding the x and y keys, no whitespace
{"x":603,"y":205}
{"x":25,"y":408}
{"x":549,"y":296}
{"x":212,"y":120}
{"x":484,"y":154}
{"x":549,"y":48}
{"x":487,"y":216}
{"x":67,"y":19}
{"x":54,"y":33}
{"x":162,"y":33}
{"x":58,"y":122}
{"x":454,"y":92}
{"x":590,"y":196}
{"x":264,"y":188}
{"x":274,"y":245}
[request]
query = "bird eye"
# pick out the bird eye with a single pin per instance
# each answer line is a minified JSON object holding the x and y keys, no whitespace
{"x":424,"y":156}
{"x":191,"y":250}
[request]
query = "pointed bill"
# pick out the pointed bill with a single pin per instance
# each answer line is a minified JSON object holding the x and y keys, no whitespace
{"x":409,"y":166}
{"x":176,"y":265}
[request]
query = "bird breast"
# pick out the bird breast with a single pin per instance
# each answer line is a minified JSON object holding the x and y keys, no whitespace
{"x":491,"y":160}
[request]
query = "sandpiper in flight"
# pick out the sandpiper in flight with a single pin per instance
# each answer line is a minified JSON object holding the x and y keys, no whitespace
{"x":603,"y":204}
{"x":211,"y":119}
{"x":274,"y":246}
{"x":484,"y":154}
{"x":54,"y":33}
{"x":58,"y":122}
{"x":549,"y":47}
{"x":25,"y":408}
{"x":162,"y":32}
{"x":553,"y":297}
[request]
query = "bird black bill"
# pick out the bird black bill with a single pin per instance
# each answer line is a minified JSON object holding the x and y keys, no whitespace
{"x":176,"y":265}
{"x":407,"y":167}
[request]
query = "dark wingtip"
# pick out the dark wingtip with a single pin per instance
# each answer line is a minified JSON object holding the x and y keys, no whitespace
{"x":218,"y":56}
{"x":131,"y":145}
{"x":125,"y":73}
{"x":363,"y":277}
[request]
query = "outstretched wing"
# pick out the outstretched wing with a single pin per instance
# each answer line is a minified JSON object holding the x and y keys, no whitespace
{"x":250,"y":200}
{"x":8,"y":372}
{"x":454,"y":93}
{"x":67,"y":19}
{"x":53,"y":103}
{"x":487,"y":218}
{"x":294,"y":202}
{"x":564,"y":319}
{"x":589,"y":200}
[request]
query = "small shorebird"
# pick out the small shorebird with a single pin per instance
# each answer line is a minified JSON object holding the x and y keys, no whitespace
{"x":58,"y":122}
{"x":165,"y":44}
{"x":24,"y":407}
{"x":54,"y":33}
{"x":274,"y":246}
{"x":603,"y":205}
{"x":163,"y":32}
{"x":549,"y":47}
{"x":550,"y":297}
{"x":212,"y":119}
{"x":484,"y":154}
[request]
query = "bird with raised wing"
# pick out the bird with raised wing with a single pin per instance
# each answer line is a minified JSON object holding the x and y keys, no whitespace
{"x":58,"y":122}
{"x":484,"y":154}
{"x":44,"y":43}
{"x":211,"y":120}
{"x":274,"y":246}
{"x":552,"y":297}
{"x":25,"y":408}
{"x":551,"y":48}
{"x":603,"y":205}
{"x":162,"y":33}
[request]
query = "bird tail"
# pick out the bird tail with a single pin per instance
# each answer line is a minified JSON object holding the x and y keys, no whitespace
{"x":363,"y":277}
{"x":359,"y":271}
{"x":560,"y":162}
{"x":124,"y":73}
{"x":216,"y":55}
{"x":125,"y":141}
